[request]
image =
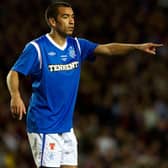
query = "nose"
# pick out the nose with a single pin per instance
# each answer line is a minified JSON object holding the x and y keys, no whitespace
{"x":71,"y":20}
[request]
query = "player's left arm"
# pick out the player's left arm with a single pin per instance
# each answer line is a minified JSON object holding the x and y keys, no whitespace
{"x":123,"y":48}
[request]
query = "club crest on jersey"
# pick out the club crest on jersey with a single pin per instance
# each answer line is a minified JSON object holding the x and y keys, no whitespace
{"x":71,"y":52}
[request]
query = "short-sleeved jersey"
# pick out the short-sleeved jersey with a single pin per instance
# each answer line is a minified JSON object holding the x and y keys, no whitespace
{"x":55,"y":74}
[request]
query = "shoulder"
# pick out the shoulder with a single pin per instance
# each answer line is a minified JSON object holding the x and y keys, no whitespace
{"x":76,"y":39}
{"x":80,"y":41}
{"x":84,"y":41}
{"x":70,"y":38}
{"x":36,"y":43}
{"x":40,"y":39}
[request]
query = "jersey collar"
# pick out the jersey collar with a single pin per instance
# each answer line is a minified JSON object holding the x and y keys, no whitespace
{"x":55,"y":44}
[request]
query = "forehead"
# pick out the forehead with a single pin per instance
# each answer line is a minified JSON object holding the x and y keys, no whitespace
{"x":65,"y":10}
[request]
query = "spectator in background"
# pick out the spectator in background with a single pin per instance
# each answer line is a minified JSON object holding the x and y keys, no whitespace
{"x":53,"y":61}
{"x":96,"y":86}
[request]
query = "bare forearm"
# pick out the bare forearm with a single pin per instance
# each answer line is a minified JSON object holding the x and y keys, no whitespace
{"x":123,"y":48}
{"x":120,"y":48}
{"x":17,"y":105}
{"x":13,"y":83}
{"x":116,"y":48}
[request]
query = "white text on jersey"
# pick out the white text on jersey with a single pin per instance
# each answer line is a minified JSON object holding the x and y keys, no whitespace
{"x":63,"y":67}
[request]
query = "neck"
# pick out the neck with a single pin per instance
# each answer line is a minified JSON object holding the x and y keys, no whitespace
{"x":60,"y":40}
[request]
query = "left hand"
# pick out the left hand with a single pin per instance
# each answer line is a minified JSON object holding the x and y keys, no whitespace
{"x":149,"y":47}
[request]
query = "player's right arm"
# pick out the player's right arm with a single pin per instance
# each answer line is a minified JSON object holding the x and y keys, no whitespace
{"x":17,"y":105}
{"x":26,"y":64}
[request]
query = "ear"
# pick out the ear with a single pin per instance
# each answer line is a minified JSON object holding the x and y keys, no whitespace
{"x":52,"y":22}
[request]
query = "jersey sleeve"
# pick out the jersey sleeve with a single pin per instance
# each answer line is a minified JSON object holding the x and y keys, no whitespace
{"x":28,"y":62}
{"x":87,"y":49}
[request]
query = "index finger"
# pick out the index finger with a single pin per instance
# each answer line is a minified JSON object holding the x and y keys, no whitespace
{"x":157,"y":45}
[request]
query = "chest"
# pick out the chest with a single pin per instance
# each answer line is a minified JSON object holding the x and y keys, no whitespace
{"x":57,"y":62}
{"x":52,"y":55}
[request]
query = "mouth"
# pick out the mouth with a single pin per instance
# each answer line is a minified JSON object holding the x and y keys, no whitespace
{"x":71,"y":28}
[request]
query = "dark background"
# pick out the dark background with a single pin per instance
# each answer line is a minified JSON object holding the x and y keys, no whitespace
{"x":121,"y":116}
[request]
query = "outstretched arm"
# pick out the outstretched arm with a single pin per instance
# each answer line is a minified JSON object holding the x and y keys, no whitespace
{"x":123,"y":48}
{"x":17,"y":105}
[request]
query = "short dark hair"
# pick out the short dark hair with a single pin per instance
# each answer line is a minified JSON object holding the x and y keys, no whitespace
{"x":52,"y":10}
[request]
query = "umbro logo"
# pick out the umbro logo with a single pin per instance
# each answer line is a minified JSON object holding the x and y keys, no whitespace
{"x":52,"y":53}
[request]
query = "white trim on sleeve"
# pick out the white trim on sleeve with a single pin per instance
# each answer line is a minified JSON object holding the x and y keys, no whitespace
{"x":38,"y":52}
{"x":78,"y":44}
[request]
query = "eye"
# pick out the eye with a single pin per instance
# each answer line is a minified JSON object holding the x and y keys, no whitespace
{"x":65,"y":16}
{"x":73,"y":16}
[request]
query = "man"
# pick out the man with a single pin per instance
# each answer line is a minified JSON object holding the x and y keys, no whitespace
{"x":54,"y":62}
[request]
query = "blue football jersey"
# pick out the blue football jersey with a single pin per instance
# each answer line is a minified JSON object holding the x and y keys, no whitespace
{"x":55,"y":74}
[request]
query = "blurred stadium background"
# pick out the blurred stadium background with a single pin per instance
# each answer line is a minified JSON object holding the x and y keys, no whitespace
{"x":121,"y":117}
